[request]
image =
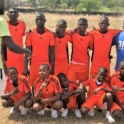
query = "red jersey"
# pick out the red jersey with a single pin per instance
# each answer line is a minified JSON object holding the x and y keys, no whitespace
{"x":81,"y":45}
{"x":51,"y":89}
{"x":40,"y":46}
{"x":23,"y":86}
{"x":61,"y":46}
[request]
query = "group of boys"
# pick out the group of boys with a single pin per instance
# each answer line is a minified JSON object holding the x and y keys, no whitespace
{"x":55,"y":82}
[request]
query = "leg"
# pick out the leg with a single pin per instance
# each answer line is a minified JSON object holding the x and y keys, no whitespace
{"x":109,"y":99}
{"x":37,"y":107}
{"x":28,"y":103}
{"x":7,"y":102}
{"x":57,"y":105}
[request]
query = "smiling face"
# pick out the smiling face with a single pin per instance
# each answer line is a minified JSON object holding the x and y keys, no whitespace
{"x":2,"y":7}
{"x":44,"y":71}
{"x":13,"y":14}
{"x":102,"y":74}
{"x":13,"y":75}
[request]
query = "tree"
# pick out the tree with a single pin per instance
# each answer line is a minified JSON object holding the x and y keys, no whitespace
{"x":64,"y":6}
{"x":89,"y":5}
{"x":49,"y":4}
{"x":112,"y":3}
{"x":33,"y":3}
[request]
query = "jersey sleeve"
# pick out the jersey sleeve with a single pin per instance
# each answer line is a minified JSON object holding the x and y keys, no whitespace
{"x":57,"y":86}
{"x":4,"y":31}
{"x":69,"y":38}
{"x":52,"y":39}
{"x":26,"y":87}
{"x":91,"y":42}
{"x":29,"y":39}
{"x":112,"y":82}
{"x":24,"y":28}
{"x":74,"y":84}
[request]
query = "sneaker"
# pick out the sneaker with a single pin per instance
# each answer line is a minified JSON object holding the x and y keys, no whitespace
{"x":91,"y":113}
{"x":78,"y":113}
{"x":41,"y":112}
{"x":12,"y":111}
{"x":23,"y":110}
{"x":64,"y":113}
{"x":54,"y":113}
{"x":109,"y":118}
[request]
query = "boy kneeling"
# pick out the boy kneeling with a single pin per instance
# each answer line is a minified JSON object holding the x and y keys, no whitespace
{"x":17,"y":92}
{"x":98,"y":93}
{"x":72,"y":96}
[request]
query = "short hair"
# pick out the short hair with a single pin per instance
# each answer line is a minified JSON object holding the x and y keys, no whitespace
{"x":63,"y":21}
{"x":13,"y":9}
{"x":61,"y":75}
{"x":105,"y":17}
{"x":82,"y":19}
{"x":11,"y":68}
{"x":103,"y":68}
{"x":41,"y":14}
{"x":46,"y":66}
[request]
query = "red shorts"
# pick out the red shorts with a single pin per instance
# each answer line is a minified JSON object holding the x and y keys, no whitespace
{"x":62,"y":69}
{"x":78,"y":72}
{"x":72,"y":102}
{"x":115,"y":106}
{"x":16,"y":98}
{"x":93,"y":101}
{"x":94,"y":70}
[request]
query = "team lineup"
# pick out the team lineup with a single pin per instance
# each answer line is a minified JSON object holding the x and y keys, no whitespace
{"x":46,"y":77}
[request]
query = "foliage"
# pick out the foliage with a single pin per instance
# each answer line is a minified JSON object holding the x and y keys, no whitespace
{"x":89,"y":5}
{"x":64,"y":6}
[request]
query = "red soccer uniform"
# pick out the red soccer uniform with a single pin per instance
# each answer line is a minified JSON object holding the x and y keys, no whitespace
{"x":23,"y":87}
{"x":17,"y":60}
{"x":72,"y":85}
{"x":101,"y":51}
{"x":94,"y":99}
{"x":115,"y":81}
{"x":79,"y":66}
{"x":40,"y":44}
{"x":51,"y":89}
{"x":61,"y":54}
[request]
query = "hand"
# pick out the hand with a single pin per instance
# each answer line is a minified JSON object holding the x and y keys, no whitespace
{"x":27,"y":32}
{"x":97,"y":90}
{"x":80,"y":89}
{"x":115,"y":88}
{"x":67,"y":94}
{"x":73,"y":30}
{"x":63,"y":96}
{"x":44,"y":84}
{"x":15,"y":91}
{"x":26,"y":72}
{"x":29,"y":54}
{"x":42,"y":101}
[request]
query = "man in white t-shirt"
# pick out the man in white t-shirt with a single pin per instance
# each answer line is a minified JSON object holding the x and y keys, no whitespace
{"x":6,"y":39}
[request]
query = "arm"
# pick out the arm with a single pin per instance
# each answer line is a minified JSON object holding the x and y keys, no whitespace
{"x":52,"y":58}
{"x":6,"y":96}
{"x":52,"y":99}
{"x":26,"y":60}
{"x":104,"y":89}
{"x":37,"y":96}
{"x":13,"y":47}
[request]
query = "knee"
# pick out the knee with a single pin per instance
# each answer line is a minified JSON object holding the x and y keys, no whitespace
{"x":36,"y":108}
{"x":84,"y":110}
{"x":109,"y":96}
{"x":29,"y":103}
{"x":116,"y":114}
{"x":4,"y":103}
{"x":58,"y":105}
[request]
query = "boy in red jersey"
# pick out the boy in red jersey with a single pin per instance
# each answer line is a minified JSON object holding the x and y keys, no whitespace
{"x":61,"y":48}
{"x":102,"y":46}
{"x":72,"y":95}
{"x":17,"y":92}
{"x":41,"y":42}
{"x":98,"y":93}
{"x":117,"y":83}
{"x":17,"y":30}
{"x":82,"y":42}
{"x":47,"y":92}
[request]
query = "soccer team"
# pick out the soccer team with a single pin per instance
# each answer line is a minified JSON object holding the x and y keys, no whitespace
{"x":50,"y":80}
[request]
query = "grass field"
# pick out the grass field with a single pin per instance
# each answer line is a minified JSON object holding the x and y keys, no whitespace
{"x":51,"y":20}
